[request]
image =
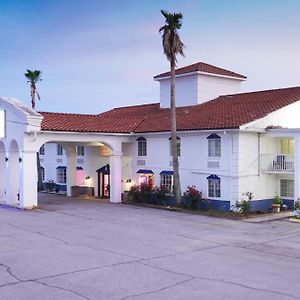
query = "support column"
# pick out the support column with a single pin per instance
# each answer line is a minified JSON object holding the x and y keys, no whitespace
{"x":71,"y":171}
{"x":297,"y":168}
{"x":115,"y":176}
{"x":28,"y":180}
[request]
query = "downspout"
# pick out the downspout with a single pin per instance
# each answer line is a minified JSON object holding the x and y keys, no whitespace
{"x":259,"y":154}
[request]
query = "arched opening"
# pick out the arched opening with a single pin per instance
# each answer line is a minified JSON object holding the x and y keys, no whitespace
{"x":14,"y":173}
{"x":2,"y":171}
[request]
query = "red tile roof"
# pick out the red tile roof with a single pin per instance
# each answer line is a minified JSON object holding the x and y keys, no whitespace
{"x":202,"y":67}
{"x":224,"y":112}
{"x":88,"y":123}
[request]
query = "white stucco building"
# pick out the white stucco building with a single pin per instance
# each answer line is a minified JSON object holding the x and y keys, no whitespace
{"x":229,"y":143}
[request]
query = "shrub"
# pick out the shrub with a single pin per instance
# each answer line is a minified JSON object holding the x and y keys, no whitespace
{"x":194,"y":196}
{"x":297,"y":205}
{"x":134,"y":193}
{"x":160,"y":194}
{"x":50,"y":185}
{"x":278,"y":200}
{"x":146,"y":192}
{"x":244,"y":206}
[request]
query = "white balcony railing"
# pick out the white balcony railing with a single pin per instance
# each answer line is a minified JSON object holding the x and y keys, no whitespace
{"x":277,"y":163}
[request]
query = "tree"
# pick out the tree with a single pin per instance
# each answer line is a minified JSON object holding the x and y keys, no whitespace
{"x":33,"y":77}
{"x":173,"y":46}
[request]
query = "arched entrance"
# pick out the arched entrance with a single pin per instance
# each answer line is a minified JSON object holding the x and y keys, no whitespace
{"x":14,"y":173}
{"x":104,"y":181}
{"x":2,"y":171}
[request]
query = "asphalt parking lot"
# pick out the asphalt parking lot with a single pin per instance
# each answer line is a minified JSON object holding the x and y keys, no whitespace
{"x":83,"y":249}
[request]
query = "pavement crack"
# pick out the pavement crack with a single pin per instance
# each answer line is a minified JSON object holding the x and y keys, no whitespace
{"x":61,"y":288}
{"x":158,"y":290}
{"x":222,"y":281}
{"x":9,"y":271}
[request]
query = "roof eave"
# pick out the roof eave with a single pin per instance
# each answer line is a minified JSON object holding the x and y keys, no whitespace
{"x":158,"y":77}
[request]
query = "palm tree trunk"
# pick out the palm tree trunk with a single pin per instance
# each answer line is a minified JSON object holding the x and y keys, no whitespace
{"x":40,"y":185}
{"x":32,"y":96}
{"x":177,"y":188}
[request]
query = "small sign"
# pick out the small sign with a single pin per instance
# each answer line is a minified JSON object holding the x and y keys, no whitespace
{"x":2,"y":124}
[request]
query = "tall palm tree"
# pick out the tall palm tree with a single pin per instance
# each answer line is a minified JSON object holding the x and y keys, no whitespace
{"x":173,"y":46}
{"x":33,"y":77}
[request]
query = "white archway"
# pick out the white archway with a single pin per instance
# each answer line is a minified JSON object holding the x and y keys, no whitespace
{"x":2,"y":171}
{"x":14,"y":174}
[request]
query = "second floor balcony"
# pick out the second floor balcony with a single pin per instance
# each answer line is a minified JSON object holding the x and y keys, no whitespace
{"x":277,"y":163}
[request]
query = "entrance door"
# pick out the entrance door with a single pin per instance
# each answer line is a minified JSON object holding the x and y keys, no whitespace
{"x":104,"y":181}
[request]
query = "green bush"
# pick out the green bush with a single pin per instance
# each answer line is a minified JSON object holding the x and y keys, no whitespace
{"x":50,"y":185}
{"x":278,"y":200}
{"x":245,"y":205}
{"x":193,"y":196}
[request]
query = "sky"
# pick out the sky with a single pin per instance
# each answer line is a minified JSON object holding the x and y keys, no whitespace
{"x":96,"y":55}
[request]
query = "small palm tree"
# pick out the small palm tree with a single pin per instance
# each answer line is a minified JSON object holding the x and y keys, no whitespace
{"x":173,"y":46}
{"x":33,"y":77}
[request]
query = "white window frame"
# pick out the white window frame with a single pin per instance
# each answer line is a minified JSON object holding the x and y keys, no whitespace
{"x":214,"y":188}
{"x":214,"y":147}
{"x":59,"y":150}
{"x":61,"y":175}
{"x":80,"y":150}
{"x":142,"y":146}
{"x":289,"y":188}
{"x":167,"y":181}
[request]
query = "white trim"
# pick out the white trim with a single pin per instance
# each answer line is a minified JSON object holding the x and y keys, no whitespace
{"x":200,"y":73}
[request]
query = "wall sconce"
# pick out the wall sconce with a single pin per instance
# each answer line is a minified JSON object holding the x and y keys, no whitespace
{"x":6,"y":158}
{"x":88,"y":177}
{"x":128,"y":180}
{"x":20,"y":159}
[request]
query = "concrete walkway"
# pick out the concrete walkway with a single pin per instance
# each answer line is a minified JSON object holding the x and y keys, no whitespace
{"x":82,"y":249}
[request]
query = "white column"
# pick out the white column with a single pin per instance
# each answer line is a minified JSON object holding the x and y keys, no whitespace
{"x":297,"y":168}
{"x":28,"y":180}
{"x":71,"y":171}
{"x":115,"y":176}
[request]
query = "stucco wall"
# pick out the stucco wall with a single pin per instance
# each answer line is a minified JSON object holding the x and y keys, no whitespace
{"x":211,"y":87}
{"x":197,"y":88}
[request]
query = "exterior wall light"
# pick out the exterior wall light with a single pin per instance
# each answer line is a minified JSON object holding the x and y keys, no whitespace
{"x":6,"y":158}
{"x":88,"y":177}
{"x":20,"y":159}
{"x":128,"y":180}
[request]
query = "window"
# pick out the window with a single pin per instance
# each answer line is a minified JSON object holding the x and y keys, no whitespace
{"x":59,"y":150}
{"x":43,"y":173}
{"x":287,"y":146}
{"x":214,"y":145}
{"x":214,"y":186}
{"x":42,"y":150}
{"x":287,"y":188}
{"x":166,"y":180}
{"x":80,"y":150}
{"x":142,"y":146}
{"x":178,"y":146}
{"x":61,"y":175}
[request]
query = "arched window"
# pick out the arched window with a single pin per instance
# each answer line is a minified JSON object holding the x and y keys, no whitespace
{"x":42,"y":150}
{"x":214,"y":186}
{"x":43,"y":173}
{"x":61,"y":175}
{"x":214,"y":145}
{"x":178,"y":146}
{"x":142,"y":146}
